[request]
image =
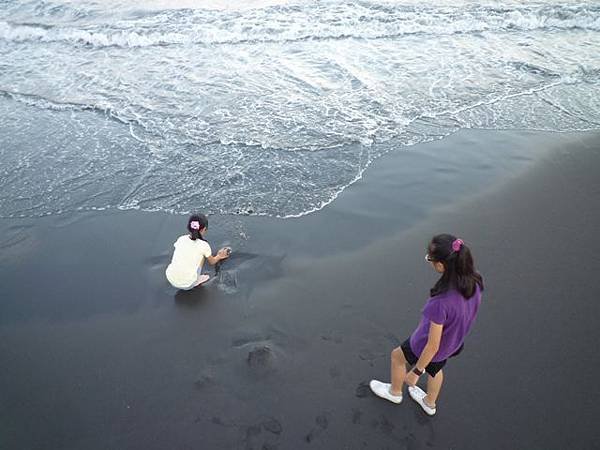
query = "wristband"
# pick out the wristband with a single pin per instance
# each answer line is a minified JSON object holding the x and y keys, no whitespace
{"x":417,"y":371}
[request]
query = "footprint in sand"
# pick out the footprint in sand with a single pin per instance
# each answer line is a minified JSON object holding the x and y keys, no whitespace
{"x":322,"y":421}
{"x":356,"y":416}
{"x":203,"y":381}
{"x":362,"y":390}
{"x":218,"y":421}
{"x":253,"y":430}
{"x":386,"y":426}
{"x":369,"y":356}
{"x":268,"y":446}
{"x":393,"y":339}
{"x":332,"y":336}
{"x":273,"y":426}
{"x":261,"y":357}
{"x":255,"y":438}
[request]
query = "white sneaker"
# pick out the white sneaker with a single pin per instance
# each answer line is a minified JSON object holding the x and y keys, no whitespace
{"x":418,"y":395}
{"x":383,"y":390}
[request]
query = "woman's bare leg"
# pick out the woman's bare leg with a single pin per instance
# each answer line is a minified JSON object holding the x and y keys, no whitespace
{"x":398,"y":368}
{"x":434,"y":385}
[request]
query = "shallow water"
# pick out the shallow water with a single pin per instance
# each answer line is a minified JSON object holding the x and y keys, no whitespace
{"x":272,"y":108}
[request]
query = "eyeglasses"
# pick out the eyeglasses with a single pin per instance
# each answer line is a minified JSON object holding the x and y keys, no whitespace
{"x":428,"y":258}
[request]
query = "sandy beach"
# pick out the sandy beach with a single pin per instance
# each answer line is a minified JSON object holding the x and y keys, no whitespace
{"x":100,"y":352}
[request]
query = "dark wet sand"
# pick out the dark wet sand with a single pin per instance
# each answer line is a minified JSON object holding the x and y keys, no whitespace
{"x":99,"y":352}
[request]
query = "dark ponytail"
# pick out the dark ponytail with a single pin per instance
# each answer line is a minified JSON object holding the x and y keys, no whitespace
{"x":196,"y":223}
{"x":459,"y":270}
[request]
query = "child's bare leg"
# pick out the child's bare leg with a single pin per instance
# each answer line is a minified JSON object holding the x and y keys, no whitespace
{"x":434,"y":385}
{"x":398,"y":371}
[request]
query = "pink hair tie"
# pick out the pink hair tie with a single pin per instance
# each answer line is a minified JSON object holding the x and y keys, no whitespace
{"x":457,"y":244}
{"x":195,"y":225}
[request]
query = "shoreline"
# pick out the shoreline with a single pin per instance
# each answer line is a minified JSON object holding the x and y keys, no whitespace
{"x":277,"y":354}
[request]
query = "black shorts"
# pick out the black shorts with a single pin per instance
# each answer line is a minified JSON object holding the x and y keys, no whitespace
{"x":433,"y":367}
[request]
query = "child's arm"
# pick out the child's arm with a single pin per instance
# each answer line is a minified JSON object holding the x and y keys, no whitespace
{"x":221,"y":254}
{"x":431,"y":348}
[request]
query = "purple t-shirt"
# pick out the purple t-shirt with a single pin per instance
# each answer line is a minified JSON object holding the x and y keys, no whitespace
{"x":455,"y":313}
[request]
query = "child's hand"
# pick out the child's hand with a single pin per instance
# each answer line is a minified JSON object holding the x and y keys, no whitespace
{"x":411,"y":378}
{"x":224,"y":253}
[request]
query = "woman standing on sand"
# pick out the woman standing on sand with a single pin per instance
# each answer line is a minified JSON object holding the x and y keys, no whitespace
{"x":185,"y":270}
{"x":447,"y":319}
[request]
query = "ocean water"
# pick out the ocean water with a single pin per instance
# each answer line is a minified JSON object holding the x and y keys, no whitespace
{"x":269,"y":107}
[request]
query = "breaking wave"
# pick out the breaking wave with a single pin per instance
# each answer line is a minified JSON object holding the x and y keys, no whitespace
{"x":312,"y":22}
{"x":268,"y":110}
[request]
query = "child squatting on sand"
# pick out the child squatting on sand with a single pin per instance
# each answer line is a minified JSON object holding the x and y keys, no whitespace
{"x":185,"y":270}
{"x":447,"y":319}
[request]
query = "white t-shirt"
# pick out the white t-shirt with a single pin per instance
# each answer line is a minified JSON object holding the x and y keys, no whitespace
{"x":188,"y":258}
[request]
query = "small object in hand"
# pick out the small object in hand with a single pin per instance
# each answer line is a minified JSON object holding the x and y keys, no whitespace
{"x":227,"y":250}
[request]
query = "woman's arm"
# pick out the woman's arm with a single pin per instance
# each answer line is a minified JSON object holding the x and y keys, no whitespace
{"x":431,"y":348}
